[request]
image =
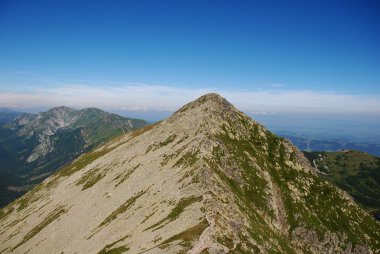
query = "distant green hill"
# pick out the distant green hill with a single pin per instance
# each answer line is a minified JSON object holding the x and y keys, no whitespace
{"x":355,"y":172}
{"x":33,"y":146}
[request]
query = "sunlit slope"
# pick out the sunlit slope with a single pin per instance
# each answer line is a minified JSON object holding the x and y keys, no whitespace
{"x":206,"y":180}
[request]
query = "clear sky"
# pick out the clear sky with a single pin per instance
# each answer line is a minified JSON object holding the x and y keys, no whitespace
{"x":267,"y":57}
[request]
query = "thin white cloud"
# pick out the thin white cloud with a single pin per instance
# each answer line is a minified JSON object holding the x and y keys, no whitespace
{"x":170,"y":98}
{"x":274,"y":85}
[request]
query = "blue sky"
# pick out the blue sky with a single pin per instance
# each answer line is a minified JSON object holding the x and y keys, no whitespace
{"x":267,"y":57}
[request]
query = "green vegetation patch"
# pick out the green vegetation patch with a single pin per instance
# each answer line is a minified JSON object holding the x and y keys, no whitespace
{"x":82,"y":161}
{"x":258,"y":229}
{"x":109,"y":250}
{"x":188,"y":159}
{"x":123,"y":208}
{"x":177,"y":210}
{"x":226,"y":241}
{"x":143,"y":130}
{"x":147,"y":217}
{"x":23,"y":203}
{"x":91,"y":177}
{"x":166,"y":158}
{"x":355,"y":172}
{"x":186,"y":237}
{"x":117,"y":250}
{"x":5,"y":212}
{"x":126,"y":176}
{"x":30,"y":197}
{"x":155,"y":146}
{"x":320,"y":208}
{"x":49,"y":219}
{"x":254,"y":188}
{"x":167,"y":141}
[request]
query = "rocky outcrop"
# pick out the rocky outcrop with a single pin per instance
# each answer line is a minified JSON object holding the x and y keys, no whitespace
{"x":45,"y":125}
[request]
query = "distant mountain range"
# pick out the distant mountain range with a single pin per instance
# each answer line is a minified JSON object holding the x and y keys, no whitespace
{"x":355,"y":172}
{"x":309,"y":143}
{"x":7,"y":115}
{"x":208,"y":179}
{"x":33,"y":146}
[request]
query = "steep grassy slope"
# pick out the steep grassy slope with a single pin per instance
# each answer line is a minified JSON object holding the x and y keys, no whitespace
{"x":206,"y":180}
{"x":355,"y":172}
{"x":34,"y":146}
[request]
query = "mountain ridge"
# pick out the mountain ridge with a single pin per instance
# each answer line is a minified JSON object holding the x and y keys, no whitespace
{"x":7,"y":114}
{"x":207,"y":180}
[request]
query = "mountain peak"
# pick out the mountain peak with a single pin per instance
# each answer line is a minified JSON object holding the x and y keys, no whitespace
{"x":208,"y":179}
{"x":209,"y":106}
{"x":213,"y":100}
{"x":62,"y":108}
{"x":211,"y":96}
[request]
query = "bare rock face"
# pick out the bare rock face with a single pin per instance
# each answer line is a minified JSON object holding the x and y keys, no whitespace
{"x":206,"y":180}
{"x":46,"y":125}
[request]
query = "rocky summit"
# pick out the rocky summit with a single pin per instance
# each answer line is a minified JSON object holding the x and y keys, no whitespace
{"x":206,"y":180}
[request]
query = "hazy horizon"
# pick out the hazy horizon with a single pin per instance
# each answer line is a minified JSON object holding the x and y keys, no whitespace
{"x":354,"y":128}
